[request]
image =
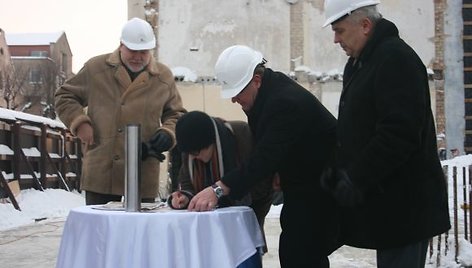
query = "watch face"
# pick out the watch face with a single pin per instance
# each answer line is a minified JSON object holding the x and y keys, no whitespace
{"x":218,"y":191}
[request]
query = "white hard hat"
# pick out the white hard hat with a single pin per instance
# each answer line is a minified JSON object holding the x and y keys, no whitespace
{"x":137,"y":34}
{"x":234,"y":69}
{"x":336,"y":9}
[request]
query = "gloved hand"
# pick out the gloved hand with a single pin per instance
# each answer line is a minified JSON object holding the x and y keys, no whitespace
{"x":346,"y":192}
{"x":327,"y":180}
{"x":159,"y":143}
{"x":147,"y":151}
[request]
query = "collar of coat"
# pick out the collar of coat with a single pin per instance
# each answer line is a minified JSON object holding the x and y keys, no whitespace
{"x":383,"y":29}
{"x":114,"y":60}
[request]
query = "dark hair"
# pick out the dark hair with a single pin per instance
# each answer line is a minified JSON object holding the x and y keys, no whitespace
{"x":260,"y":68}
{"x":194,"y":131}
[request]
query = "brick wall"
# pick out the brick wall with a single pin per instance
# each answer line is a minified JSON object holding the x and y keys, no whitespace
{"x":296,"y":33}
{"x":438,"y":68}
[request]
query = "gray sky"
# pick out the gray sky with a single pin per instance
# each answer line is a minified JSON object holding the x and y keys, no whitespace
{"x":92,"y":27}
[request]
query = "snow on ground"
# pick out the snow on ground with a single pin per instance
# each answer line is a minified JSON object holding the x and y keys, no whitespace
{"x":37,"y":205}
{"x":52,"y":204}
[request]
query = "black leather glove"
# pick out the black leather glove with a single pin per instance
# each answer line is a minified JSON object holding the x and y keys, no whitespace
{"x":159,"y":143}
{"x":147,"y":151}
{"x":346,"y":192}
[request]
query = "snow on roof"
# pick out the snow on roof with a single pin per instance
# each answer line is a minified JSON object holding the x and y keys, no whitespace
{"x":11,"y":115}
{"x":186,"y":73}
{"x":32,"y":39}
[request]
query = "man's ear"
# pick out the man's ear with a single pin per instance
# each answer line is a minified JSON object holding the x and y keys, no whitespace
{"x":258,"y":80}
{"x":367,"y":26}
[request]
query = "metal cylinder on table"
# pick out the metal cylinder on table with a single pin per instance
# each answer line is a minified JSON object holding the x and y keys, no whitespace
{"x":132,"y":168}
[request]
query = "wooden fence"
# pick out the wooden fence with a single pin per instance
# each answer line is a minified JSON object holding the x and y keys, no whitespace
{"x":36,"y":152}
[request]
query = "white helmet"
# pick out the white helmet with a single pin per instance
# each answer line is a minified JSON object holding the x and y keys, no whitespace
{"x":137,"y":34}
{"x":335,"y":9}
{"x":234,"y":69}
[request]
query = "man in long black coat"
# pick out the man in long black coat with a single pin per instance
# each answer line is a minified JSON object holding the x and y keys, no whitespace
{"x":388,"y":175}
{"x":294,"y":136}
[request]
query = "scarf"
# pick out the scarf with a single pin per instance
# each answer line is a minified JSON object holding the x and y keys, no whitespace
{"x":224,"y":157}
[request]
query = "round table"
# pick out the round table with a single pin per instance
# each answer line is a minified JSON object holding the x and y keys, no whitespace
{"x":222,"y":238}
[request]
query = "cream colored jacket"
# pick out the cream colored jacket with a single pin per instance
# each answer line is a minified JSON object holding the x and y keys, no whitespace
{"x":103,"y":86}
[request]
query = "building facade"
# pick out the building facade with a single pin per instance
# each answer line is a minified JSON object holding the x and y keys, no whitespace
{"x":192,"y":33}
{"x":6,"y":69}
{"x":42,"y":61}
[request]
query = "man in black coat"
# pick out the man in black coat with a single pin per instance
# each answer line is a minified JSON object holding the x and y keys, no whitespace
{"x":388,"y":177}
{"x":294,"y":136}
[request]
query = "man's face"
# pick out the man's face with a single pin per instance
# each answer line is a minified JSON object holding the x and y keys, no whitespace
{"x":351,"y":36}
{"x":248,"y":95}
{"x":135,"y":60}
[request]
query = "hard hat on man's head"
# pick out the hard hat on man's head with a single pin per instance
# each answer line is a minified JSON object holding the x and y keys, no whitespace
{"x":336,"y":9}
{"x":137,"y":34}
{"x":234,"y":69}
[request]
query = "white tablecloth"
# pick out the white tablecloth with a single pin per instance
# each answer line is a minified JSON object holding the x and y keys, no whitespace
{"x":111,"y":239}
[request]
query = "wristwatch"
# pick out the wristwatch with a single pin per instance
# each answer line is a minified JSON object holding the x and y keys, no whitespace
{"x":218,"y":190}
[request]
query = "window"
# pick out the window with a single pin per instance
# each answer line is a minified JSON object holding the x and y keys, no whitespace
{"x":35,"y":77}
{"x":39,"y":53}
{"x":64,"y":63}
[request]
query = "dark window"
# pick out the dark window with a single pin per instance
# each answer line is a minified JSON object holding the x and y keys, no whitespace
{"x":468,"y":93}
{"x":467,"y":78}
{"x":467,"y":29}
{"x":468,"y":124}
{"x":467,"y":14}
{"x":467,"y":61}
{"x":467,"y":45}
{"x":35,"y":77}
{"x":64,"y":62}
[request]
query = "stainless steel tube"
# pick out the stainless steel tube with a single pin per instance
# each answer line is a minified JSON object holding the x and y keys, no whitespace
{"x":132,"y":168}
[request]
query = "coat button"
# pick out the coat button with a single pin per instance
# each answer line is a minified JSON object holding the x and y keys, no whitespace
{"x":120,"y":130}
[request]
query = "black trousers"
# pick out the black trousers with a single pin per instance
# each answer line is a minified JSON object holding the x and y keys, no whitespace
{"x":306,"y":239}
{"x":92,"y":198}
{"x":409,"y":256}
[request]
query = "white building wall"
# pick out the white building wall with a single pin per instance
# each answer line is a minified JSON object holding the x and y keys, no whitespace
{"x":415,"y":20}
{"x":192,"y":33}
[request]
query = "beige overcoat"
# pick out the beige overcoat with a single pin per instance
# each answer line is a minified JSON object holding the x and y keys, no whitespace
{"x":104,"y":87}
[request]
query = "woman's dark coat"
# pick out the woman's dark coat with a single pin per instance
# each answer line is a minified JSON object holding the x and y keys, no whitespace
{"x":387,"y":144}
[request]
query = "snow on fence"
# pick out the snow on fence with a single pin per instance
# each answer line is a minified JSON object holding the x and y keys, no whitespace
{"x":455,"y":245}
{"x":36,"y":152}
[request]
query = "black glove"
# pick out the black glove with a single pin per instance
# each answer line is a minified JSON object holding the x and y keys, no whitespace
{"x":147,"y":151}
{"x":159,"y":143}
{"x":346,"y":192}
{"x":328,"y":180}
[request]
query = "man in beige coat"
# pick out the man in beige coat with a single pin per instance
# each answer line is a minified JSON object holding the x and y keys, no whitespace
{"x":127,"y":86}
